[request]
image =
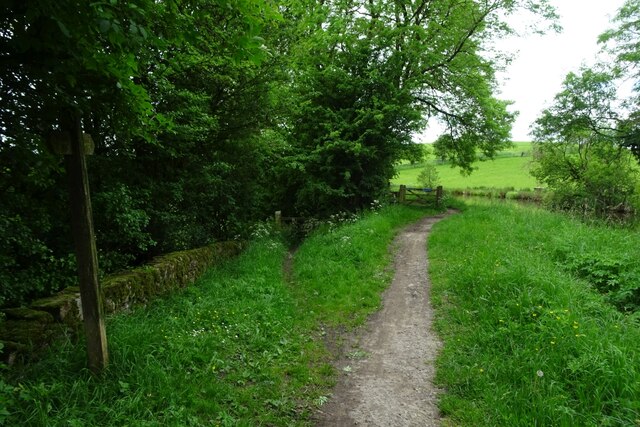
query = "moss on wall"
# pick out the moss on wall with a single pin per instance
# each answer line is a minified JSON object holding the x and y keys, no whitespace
{"x":26,"y":330}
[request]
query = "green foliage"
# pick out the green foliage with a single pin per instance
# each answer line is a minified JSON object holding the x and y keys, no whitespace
{"x":577,"y":152}
{"x":525,"y":342}
{"x":30,"y":226}
{"x":6,"y":391}
{"x":605,"y":257}
{"x":428,"y":177}
{"x":621,"y":42}
{"x":163,"y":91}
{"x":209,"y":115}
{"x":120,"y":227}
{"x":368,"y":76}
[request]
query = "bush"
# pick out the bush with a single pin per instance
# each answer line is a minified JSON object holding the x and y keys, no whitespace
{"x":428,"y":177}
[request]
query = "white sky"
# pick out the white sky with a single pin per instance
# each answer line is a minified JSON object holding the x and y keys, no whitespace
{"x":542,"y":62}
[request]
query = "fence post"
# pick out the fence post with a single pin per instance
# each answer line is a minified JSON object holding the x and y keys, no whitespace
{"x":439,"y":195}
{"x":278,"y":219}
{"x":402,"y":194}
{"x":85,"y":245}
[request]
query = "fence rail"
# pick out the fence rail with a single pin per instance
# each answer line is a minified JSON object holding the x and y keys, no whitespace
{"x":405,"y":195}
{"x":418,"y":196}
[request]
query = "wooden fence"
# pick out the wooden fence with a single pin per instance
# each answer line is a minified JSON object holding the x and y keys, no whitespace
{"x":405,"y":195}
{"x":418,"y":196}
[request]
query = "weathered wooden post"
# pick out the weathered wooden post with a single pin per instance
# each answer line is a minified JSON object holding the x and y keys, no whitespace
{"x":438,"y":195}
{"x":278,"y":219}
{"x":85,"y":243}
{"x":402,"y":194}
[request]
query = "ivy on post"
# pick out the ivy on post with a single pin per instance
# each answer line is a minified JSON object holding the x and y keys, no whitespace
{"x":84,"y":238}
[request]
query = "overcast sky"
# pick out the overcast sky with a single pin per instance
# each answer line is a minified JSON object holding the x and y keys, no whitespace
{"x":542,"y":62}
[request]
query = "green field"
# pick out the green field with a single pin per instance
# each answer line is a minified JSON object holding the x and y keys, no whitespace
{"x":509,"y":169}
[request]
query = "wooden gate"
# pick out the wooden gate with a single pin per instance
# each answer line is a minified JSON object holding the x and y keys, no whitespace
{"x":419,"y":196}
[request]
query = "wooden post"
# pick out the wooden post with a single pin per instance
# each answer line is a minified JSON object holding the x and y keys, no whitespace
{"x":402,"y":194}
{"x":85,"y":243}
{"x":438,"y":195}
{"x":278,"y":219}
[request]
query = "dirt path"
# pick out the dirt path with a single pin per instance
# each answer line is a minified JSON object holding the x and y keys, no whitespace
{"x":388,"y":368}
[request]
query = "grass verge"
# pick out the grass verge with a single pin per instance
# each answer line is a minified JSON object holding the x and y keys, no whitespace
{"x":526,"y":340}
{"x":242,"y":347}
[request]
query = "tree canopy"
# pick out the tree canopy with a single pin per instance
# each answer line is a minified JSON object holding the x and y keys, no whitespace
{"x":209,"y":114}
{"x":586,"y":141}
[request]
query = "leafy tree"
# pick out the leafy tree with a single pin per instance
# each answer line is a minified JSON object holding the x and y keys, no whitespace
{"x":371,"y":72}
{"x":577,"y":150}
{"x":622,"y":42}
{"x":160,"y":87}
{"x":428,"y":177}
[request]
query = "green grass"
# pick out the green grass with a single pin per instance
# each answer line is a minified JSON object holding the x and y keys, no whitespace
{"x":242,"y":347}
{"x":340,"y":274}
{"x":530,"y":338}
{"x":527,"y":341}
{"x":509,"y":169}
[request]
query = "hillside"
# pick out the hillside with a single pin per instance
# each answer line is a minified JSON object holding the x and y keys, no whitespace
{"x":509,"y":169}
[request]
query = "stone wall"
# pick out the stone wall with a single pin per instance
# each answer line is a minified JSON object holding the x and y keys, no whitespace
{"x":25,"y":331}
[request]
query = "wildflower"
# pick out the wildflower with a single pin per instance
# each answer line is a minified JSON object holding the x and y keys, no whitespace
{"x":539,"y":373}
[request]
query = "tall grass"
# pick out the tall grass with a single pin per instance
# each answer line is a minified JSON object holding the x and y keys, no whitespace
{"x":242,"y":347}
{"x":526,"y":341}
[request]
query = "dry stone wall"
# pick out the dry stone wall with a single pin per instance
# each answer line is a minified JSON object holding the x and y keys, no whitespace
{"x":25,"y":331}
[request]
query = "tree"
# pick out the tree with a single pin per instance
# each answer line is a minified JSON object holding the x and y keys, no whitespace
{"x":369,"y":75}
{"x":428,"y":177}
{"x":159,"y":87}
{"x":577,"y":147}
{"x":622,"y":43}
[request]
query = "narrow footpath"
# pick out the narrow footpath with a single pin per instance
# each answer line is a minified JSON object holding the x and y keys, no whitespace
{"x":388,"y":368}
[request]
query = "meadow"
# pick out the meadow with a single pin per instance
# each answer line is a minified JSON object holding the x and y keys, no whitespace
{"x":510,"y":169}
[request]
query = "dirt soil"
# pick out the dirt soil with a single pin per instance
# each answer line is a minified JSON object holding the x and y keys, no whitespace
{"x":387,"y":367}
